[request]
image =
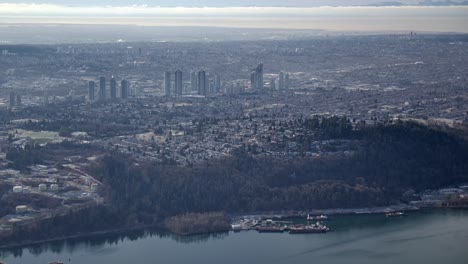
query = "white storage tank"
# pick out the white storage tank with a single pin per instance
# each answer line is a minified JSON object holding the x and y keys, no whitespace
{"x":42,"y":187}
{"x":20,"y":209}
{"x":54,"y":187}
{"x":17,"y":189}
{"x":236,"y":227}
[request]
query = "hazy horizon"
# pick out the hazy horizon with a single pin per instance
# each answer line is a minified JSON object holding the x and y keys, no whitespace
{"x":445,"y":19}
{"x":433,"y":19}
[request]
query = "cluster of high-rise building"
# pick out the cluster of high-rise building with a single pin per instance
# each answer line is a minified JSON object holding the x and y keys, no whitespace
{"x":203,"y":84}
{"x":102,"y":93}
{"x":200,"y":83}
{"x":178,"y":87}
{"x":235,"y":88}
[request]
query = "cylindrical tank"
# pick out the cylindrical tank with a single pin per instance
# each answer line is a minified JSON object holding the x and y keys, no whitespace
{"x":42,"y":187}
{"x":17,"y":189}
{"x":236,"y":227}
{"x":21,"y":209}
{"x":54,"y":187}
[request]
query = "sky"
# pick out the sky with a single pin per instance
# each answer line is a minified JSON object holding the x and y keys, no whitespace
{"x":216,"y":3}
{"x":199,"y":3}
{"x":299,"y":14}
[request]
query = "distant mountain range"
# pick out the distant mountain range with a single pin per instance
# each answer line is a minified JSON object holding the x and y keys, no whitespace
{"x":423,"y":3}
{"x":442,"y":3}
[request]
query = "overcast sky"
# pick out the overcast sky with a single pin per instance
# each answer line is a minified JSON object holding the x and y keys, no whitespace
{"x":214,"y":3}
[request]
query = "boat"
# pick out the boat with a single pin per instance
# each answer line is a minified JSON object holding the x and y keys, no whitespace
{"x":309,"y":229}
{"x":316,"y":217}
{"x":270,"y":229}
{"x":394,"y":214}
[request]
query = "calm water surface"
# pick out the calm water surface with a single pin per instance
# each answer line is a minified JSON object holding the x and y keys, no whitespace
{"x":426,"y":237}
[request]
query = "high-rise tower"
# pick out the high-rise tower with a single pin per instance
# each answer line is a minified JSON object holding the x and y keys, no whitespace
{"x":124,"y":89}
{"x":113,"y":88}
{"x":202,"y":83}
{"x":259,"y":76}
{"x":178,"y":83}
{"x":193,"y":81}
{"x":102,"y":88}
{"x":281,"y":81}
{"x":91,"y":85}
{"x":18,"y":100}
{"x":12,"y":99}
{"x":217,"y":83}
{"x":167,"y":83}
{"x":256,"y":77}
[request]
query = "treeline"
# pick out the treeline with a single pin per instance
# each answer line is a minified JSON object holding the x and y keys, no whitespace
{"x":95,"y":127}
{"x":22,"y":157}
{"x":31,"y":154}
{"x":196,"y":223}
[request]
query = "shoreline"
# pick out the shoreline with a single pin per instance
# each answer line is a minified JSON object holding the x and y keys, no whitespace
{"x":336,"y":211}
{"x":263,"y":215}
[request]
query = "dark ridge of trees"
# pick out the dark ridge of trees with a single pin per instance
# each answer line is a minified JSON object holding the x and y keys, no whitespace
{"x":4,"y":189}
{"x":196,"y":223}
{"x":23,"y":157}
{"x":31,"y":154}
{"x":44,"y":125}
{"x":65,"y":131}
{"x":328,"y":127}
{"x":413,"y":155}
{"x":94,"y":128}
{"x":9,"y":202}
{"x":391,"y":159}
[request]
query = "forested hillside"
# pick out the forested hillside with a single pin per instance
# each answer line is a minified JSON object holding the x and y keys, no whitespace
{"x":391,"y":159}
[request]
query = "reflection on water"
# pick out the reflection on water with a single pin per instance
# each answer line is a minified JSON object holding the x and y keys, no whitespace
{"x":96,"y":244}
